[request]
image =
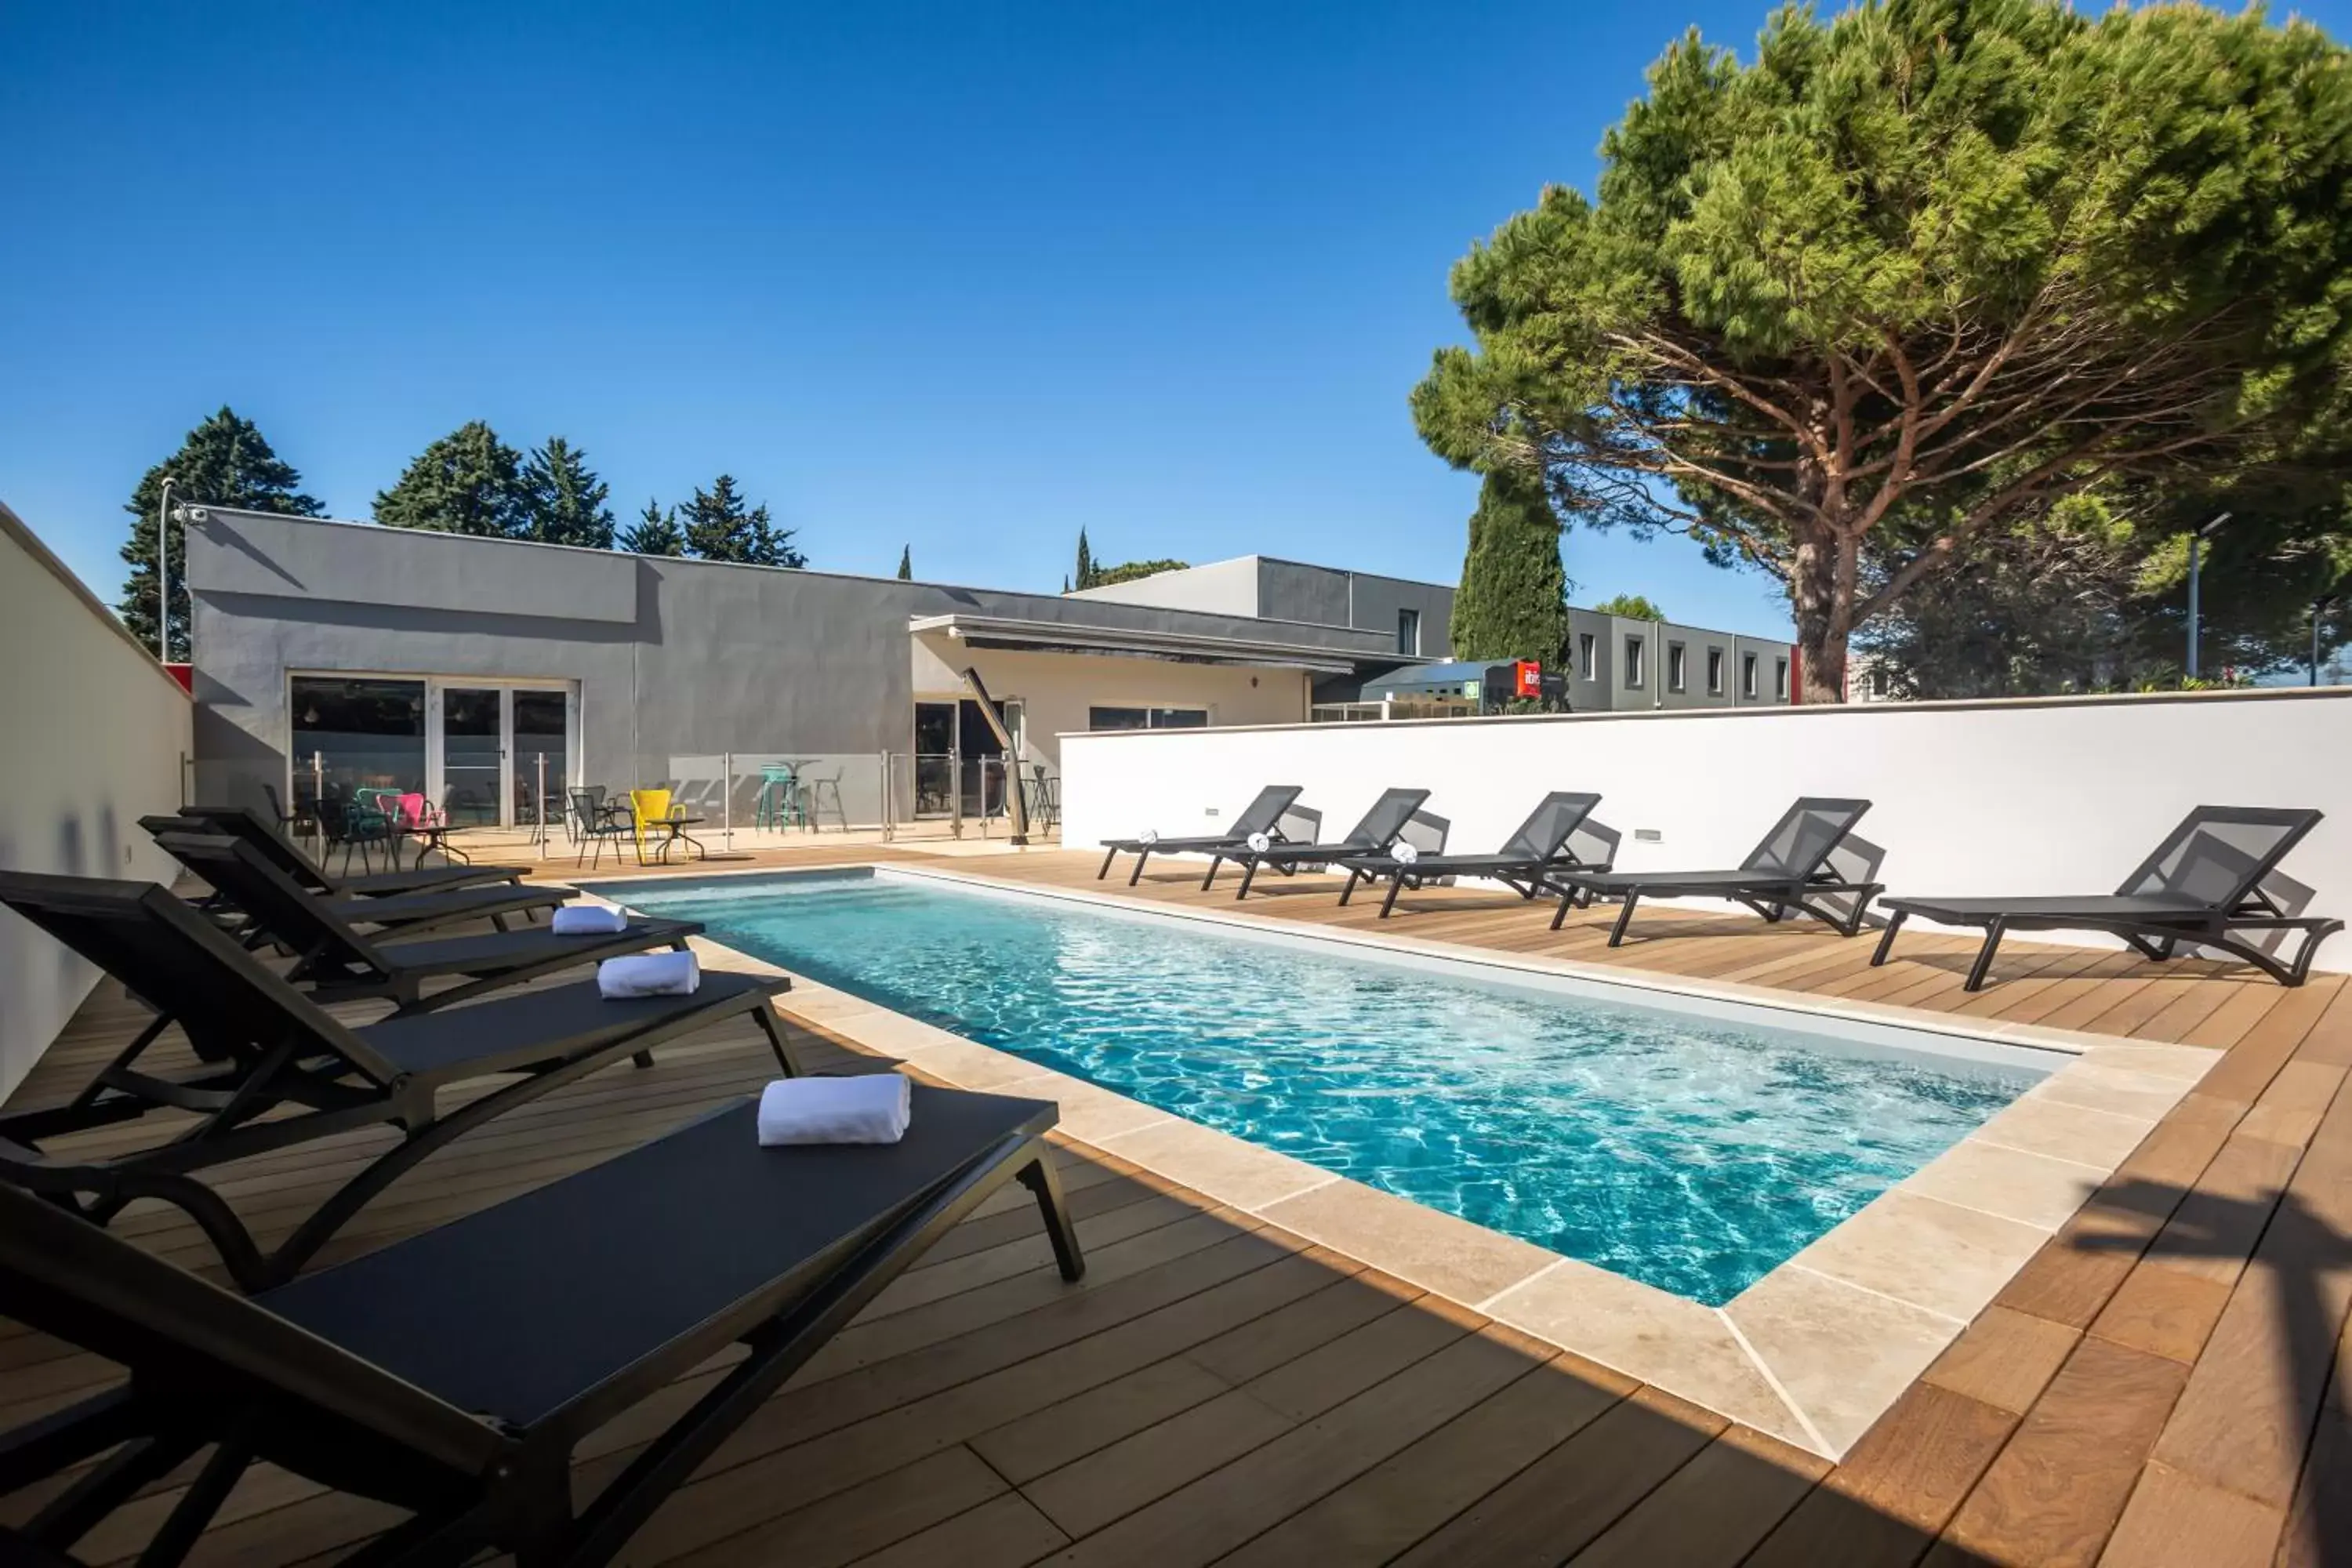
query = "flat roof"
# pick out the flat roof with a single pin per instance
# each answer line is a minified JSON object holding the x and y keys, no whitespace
{"x":1183,"y":647}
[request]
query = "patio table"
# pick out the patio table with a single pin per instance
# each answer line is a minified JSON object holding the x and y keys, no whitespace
{"x":677,"y":823}
{"x":430,"y":836}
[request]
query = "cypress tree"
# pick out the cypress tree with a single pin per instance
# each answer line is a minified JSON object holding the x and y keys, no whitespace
{"x":1513,"y":601}
{"x":223,"y":462}
{"x":906,"y":564}
{"x":1086,"y":562}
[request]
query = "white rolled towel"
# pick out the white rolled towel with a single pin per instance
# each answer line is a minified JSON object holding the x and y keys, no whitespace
{"x":648,"y":975}
{"x":589,"y":919}
{"x":1149,"y":835}
{"x":1405,"y":854}
{"x":1260,"y":843}
{"x":869,"y":1108}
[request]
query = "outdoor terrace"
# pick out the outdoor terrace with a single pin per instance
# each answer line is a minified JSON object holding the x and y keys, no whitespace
{"x":2152,"y":1387}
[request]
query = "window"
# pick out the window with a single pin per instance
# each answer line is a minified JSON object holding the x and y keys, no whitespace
{"x":1584,"y":654}
{"x":1780,"y":679}
{"x":1146,"y":717}
{"x":1677,"y":666}
{"x":1634,"y":664}
{"x":1714,"y":671}
{"x":1874,"y":682}
{"x":1747,"y":675}
{"x":1409,"y":633}
{"x":357,"y":734}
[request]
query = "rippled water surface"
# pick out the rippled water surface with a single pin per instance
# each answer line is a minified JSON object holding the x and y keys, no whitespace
{"x":1692,"y":1154}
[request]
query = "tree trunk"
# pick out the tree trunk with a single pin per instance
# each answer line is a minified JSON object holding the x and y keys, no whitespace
{"x":1820,"y":591}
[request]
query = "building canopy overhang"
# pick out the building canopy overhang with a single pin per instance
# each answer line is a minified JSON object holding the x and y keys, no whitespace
{"x":1175,"y":648}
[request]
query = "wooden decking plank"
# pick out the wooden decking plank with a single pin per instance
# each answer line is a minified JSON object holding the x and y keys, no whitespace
{"x":794,"y":1452}
{"x":1412,"y":1493}
{"x":1202,"y":1521}
{"x":2245,"y":1419}
{"x":1006,"y":1532}
{"x":2176,"y":1521}
{"x":1082,"y":1496}
{"x":855,"y":1523}
{"x":2055,"y":1492}
{"x":1714,"y":1509}
{"x":1564,"y":1501}
{"x":2004,"y":1359}
{"x":1896,"y":1488}
{"x":2318,"y":1526}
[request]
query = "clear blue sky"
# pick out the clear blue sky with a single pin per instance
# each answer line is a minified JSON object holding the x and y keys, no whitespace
{"x":963,"y":277}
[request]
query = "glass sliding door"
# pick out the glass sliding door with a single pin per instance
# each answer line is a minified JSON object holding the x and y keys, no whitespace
{"x":478,"y":749}
{"x":473,"y":755}
{"x":542,"y":756}
{"x":353,"y":735}
{"x":935,"y":745}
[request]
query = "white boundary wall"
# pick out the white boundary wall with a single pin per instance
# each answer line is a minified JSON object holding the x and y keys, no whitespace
{"x":92,"y":734}
{"x":2050,"y":795}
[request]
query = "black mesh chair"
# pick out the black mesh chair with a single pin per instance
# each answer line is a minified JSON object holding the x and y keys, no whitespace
{"x":595,"y":823}
{"x":1792,"y":871}
{"x":302,"y":822}
{"x":453,"y":1374}
{"x":2204,"y":886}
{"x":1273,"y":813}
{"x":344,"y":827}
{"x":1382,"y":826}
{"x":1542,"y":847}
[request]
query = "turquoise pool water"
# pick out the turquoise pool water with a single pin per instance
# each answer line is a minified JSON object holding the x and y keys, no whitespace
{"x":1690,"y":1154}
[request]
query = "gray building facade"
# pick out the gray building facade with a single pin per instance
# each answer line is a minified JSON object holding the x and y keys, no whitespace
{"x":1619,"y":664}
{"x":1412,"y":615}
{"x":345,"y":655}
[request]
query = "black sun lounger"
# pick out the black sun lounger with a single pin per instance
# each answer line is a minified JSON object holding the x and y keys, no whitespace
{"x":2201,"y":888}
{"x":1379,"y":828}
{"x":1526,"y":863}
{"x":278,"y":1069}
{"x":402,"y":914}
{"x":333,"y":954}
{"x":244,"y":822}
{"x":1788,"y":873}
{"x":452,"y":1374}
{"x":1266,"y":815}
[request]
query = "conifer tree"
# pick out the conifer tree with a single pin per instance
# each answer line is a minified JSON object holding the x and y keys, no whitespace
{"x":564,"y":499}
{"x":1086,"y":562}
{"x":906,"y":564}
{"x":719,"y":526}
{"x":1513,"y":599}
{"x":655,"y":533}
{"x":469,"y":482}
{"x":223,"y":462}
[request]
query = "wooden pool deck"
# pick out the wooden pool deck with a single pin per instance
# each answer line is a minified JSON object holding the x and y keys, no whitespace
{"x":2165,"y":1382}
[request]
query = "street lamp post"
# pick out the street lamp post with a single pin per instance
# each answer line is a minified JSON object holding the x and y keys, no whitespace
{"x":2196,"y":563}
{"x":164,"y":574}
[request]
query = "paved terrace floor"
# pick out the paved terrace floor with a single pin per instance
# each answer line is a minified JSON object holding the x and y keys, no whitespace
{"x":2165,"y":1383}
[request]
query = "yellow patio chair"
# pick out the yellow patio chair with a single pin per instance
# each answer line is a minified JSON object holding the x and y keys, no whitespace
{"x":647,"y":805}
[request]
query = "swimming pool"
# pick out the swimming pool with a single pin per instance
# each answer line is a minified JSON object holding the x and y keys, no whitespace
{"x":1691,"y":1152}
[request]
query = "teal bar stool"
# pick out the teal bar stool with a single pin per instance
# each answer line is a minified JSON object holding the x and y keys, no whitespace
{"x":780,"y":797}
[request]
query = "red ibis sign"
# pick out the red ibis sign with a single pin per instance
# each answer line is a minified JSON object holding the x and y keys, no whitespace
{"x":1527,"y":679}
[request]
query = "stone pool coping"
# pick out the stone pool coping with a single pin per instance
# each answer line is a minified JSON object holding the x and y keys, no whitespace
{"x":1813,"y":1352}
